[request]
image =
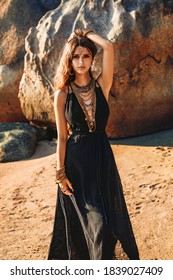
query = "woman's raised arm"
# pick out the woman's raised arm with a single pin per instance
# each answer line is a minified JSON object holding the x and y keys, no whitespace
{"x":106,"y":77}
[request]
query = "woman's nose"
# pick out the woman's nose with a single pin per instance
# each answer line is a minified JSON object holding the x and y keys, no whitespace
{"x":80,"y":59}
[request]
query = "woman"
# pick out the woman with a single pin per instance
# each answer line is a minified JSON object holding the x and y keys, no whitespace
{"x":91,"y":213}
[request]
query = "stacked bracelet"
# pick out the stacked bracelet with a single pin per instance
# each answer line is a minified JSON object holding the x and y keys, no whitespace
{"x":60,"y":175}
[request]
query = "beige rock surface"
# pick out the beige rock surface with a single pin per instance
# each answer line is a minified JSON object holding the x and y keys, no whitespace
{"x":16,"y":17}
{"x":28,"y":197}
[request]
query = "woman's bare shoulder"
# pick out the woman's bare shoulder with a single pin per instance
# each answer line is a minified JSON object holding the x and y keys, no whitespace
{"x":60,"y":95}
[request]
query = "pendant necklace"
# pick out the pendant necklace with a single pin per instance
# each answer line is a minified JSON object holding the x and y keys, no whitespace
{"x":86,"y":97}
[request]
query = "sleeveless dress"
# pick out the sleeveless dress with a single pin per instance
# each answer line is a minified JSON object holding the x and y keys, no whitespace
{"x":89,"y":223}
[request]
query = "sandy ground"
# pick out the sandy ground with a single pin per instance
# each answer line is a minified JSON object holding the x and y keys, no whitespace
{"x":28,"y":197}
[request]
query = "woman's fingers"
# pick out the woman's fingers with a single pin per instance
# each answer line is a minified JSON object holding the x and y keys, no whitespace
{"x":66,"y":187}
{"x":67,"y":192}
{"x":69,"y":185}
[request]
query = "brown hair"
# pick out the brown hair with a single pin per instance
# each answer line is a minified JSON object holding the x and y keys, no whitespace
{"x":64,"y":74}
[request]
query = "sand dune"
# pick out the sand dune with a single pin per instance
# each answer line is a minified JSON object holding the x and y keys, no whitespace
{"x":28,"y":196}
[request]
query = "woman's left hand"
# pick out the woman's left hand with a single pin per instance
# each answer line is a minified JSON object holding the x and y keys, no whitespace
{"x":66,"y":187}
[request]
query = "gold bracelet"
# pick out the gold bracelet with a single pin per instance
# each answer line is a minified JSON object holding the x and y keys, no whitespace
{"x":60,"y":174}
{"x":60,"y":180}
{"x":62,"y":168}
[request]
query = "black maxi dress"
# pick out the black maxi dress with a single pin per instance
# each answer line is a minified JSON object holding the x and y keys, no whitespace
{"x":88,"y":223}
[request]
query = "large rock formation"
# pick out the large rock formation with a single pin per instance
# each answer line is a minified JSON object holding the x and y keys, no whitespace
{"x":16,"y":17}
{"x":18,"y":140}
{"x":141,"y":97}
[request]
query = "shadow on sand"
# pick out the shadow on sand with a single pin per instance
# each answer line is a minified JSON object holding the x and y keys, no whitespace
{"x":44,"y":148}
{"x":162,"y":138}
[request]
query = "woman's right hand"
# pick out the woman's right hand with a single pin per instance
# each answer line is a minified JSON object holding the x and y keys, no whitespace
{"x":66,"y":187}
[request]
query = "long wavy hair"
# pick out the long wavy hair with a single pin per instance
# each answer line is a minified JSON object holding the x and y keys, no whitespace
{"x":65,"y":73}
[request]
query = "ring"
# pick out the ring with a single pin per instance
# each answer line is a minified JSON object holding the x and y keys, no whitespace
{"x":64,"y":189}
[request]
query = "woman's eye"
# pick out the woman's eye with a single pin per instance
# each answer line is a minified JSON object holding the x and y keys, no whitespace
{"x":75,"y":56}
{"x":86,"y":55}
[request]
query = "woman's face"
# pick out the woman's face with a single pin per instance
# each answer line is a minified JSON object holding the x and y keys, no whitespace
{"x":82,"y":60}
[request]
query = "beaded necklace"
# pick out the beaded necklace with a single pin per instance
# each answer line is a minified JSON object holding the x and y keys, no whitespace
{"x":86,"y":97}
{"x":84,"y":89}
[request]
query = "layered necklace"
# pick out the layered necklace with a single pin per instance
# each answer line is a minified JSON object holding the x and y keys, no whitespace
{"x":86,"y":97}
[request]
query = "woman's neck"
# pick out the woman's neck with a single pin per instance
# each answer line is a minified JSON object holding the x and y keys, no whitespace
{"x":82,"y":80}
